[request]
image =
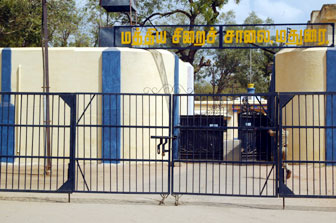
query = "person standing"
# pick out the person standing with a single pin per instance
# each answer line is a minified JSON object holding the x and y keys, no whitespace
{"x":284,"y":136}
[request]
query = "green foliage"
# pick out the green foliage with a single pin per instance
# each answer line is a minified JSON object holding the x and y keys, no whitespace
{"x":20,"y":23}
{"x":225,"y":71}
{"x":63,"y":23}
{"x":95,"y":16}
{"x":203,"y":87}
{"x":231,"y":67}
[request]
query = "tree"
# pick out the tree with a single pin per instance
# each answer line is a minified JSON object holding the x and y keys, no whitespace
{"x":154,"y":12}
{"x":232,"y":66}
{"x":63,"y":22}
{"x":20,"y":23}
{"x":192,"y":12}
{"x":95,"y":16}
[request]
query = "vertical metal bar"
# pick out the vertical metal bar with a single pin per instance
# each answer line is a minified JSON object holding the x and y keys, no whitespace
{"x":226,"y":146}
{"x":293,"y":147}
{"x":26,"y":148}
{"x":72,"y":142}
{"x":104,"y":96}
{"x":239,"y":164}
{"x":187,"y":143}
{"x":155,"y":120}
{"x":51,"y":142}
{"x":325,"y":166}
{"x":307,"y":158}
{"x":64,"y":145}
{"x":143,"y":146}
{"x":32,"y":145}
{"x":110,"y":136}
{"x":84,"y":145}
{"x":199,"y":147}
{"x":193,"y":149}
{"x":170,"y":123}
{"x":278,"y":125}
{"x":285,"y":159}
{"x":58,"y":132}
{"x":332,"y":145}
{"x":77,"y":139}
{"x":178,"y":149}
{"x":90,"y":183}
{"x":162,"y":132}
{"x":171,"y":130}
{"x":149,"y":144}
{"x":118,"y":100}
{"x":123,"y":144}
{"x":313,"y":124}
{"x":99,"y":98}
{"x":207,"y":143}
{"x":39,"y":142}
{"x":14,"y":152}
{"x":224,"y":135}
{"x":136,"y":144}
{"x":319,"y":129}
{"x":130,"y":142}
{"x":233,"y":165}
{"x":299,"y":115}
{"x":7,"y":140}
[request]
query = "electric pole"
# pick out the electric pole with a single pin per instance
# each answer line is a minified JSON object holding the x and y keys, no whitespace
{"x":46,"y":84}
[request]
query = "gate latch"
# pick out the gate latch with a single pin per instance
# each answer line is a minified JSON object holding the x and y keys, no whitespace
{"x":162,"y":143}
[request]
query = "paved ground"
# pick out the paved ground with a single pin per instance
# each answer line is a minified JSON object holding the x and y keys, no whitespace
{"x":50,"y":208}
{"x":35,"y":207}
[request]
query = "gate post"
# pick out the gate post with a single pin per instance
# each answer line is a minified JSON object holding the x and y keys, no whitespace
{"x":72,"y":142}
{"x":284,"y":191}
{"x":69,"y":185}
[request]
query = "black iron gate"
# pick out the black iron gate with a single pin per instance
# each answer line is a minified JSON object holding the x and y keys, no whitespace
{"x":262,"y":145}
{"x":216,"y":123}
{"x":308,"y":127}
{"x":36,"y":150}
{"x":123,"y":143}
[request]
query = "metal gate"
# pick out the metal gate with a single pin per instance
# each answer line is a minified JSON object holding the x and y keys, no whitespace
{"x":117,"y":143}
{"x":223,"y":145}
{"x":308,"y":123}
{"x":36,"y":149}
{"x":218,"y":163}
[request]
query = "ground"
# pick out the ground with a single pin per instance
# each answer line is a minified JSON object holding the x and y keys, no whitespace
{"x":214,"y":178}
{"x":24,"y":207}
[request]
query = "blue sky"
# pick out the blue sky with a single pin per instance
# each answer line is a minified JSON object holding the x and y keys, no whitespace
{"x":281,"y":11}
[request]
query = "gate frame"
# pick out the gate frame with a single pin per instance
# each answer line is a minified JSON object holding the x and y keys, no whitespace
{"x":274,"y":150}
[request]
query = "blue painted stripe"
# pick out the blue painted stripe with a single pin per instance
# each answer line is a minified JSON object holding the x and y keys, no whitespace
{"x":6,"y":70}
{"x":7,"y":110}
{"x":176,"y":104}
{"x":331,"y":106}
{"x":111,"y":72}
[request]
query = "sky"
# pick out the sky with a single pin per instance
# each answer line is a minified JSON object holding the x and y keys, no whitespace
{"x":281,"y":11}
